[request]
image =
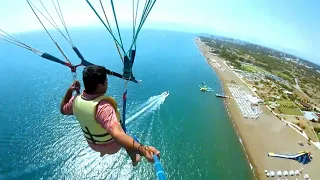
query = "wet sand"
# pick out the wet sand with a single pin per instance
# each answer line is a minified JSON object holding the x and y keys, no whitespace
{"x":265,"y":134}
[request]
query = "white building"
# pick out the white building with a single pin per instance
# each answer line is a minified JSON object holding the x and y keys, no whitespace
{"x":310,"y":116}
{"x":287,"y":92}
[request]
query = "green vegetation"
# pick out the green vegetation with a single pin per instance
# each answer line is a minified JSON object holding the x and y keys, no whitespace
{"x":317,"y":129}
{"x":286,"y":103}
{"x":248,"y":68}
{"x":285,"y":76}
{"x":264,"y":59}
{"x":287,"y":87}
{"x":231,"y":57}
{"x":289,"y":111}
{"x":251,"y":68}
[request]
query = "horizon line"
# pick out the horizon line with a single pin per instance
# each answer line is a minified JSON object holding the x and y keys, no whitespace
{"x":186,"y":30}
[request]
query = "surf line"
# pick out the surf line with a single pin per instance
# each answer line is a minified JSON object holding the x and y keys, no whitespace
{"x":202,"y":53}
{"x":245,"y":151}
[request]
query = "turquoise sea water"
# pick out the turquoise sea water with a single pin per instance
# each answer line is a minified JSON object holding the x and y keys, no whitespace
{"x":190,"y":128}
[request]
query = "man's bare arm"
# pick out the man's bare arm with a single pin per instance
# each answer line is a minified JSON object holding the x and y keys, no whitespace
{"x":66,"y":99}
{"x":130,"y":144}
{"x":75,"y":86}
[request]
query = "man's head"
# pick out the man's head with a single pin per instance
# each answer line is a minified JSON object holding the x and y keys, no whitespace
{"x":95,"y":79}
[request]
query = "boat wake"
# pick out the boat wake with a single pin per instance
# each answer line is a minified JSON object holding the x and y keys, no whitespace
{"x":152,"y":104}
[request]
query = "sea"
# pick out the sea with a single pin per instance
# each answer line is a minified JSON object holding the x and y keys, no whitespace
{"x":190,"y":128}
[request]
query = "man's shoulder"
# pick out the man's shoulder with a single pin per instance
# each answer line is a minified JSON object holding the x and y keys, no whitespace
{"x":108,"y":100}
{"x":105,"y":104}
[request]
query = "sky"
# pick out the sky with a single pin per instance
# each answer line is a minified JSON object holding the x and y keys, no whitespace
{"x":292,"y":26}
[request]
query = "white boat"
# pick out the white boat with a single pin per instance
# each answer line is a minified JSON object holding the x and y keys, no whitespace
{"x":221,"y":96}
{"x":166,"y":94}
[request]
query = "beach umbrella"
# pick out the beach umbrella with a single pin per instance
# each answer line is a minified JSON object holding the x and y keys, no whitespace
{"x":297,"y":172}
{"x":279,"y":173}
{"x":272,"y":173}
{"x":268,"y":174}
{"x":285,"y":173}
{"x":301,"y":169}
{"x":291,"y":172}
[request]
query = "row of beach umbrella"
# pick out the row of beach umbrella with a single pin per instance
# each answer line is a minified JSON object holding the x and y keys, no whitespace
{"x":285,"y":173}
{"x":244,"y":104}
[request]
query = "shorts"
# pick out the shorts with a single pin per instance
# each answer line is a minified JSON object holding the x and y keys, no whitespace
{"x":111,"y":147}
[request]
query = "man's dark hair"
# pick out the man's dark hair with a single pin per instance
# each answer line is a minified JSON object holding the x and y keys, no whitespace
{"x":92,"y":76}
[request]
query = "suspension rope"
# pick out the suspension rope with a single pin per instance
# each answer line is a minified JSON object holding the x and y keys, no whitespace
{"x":124,"y":106}
{"x":147,"y":9}
{"x":69,"y":39}
{"x":105,"y":15}
{"x":48,"y":33}
{"x":134,"y":19}
{"x":133,"y":23}
{"x":115,"y":18}
{"x":62,"y":20}
{"x":54,"y":24}
{"x":105,"y":26}
{"x":7,"y":37}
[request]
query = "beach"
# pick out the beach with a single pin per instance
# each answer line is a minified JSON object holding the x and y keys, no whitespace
{"x":264,"y":134}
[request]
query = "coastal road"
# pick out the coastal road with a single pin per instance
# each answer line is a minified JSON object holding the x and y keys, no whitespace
{"x":297,"y":83}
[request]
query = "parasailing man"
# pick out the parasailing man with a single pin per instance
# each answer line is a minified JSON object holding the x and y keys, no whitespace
{"x":99,"y":117}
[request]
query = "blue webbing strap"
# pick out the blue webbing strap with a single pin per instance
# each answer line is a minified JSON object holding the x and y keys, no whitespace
{"x":124,"y":105}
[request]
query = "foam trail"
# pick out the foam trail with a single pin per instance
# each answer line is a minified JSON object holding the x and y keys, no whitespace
{"x":153,"y":103}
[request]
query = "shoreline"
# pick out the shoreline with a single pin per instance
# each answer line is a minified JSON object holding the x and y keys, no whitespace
{"x":240,"y":136}
{"x":262,"y":135}
{"x":227,"y":107}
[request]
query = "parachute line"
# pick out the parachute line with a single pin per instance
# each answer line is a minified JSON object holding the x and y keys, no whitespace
{"x":7,"y":37}
{"x":114,"y":38}
{"x":115,"y":18}
{"x":48,"y":31}
{"x":105,"y":15}
{"x":63,"y":21}
{"x":134,"y":19}
{"x":147,"y":9}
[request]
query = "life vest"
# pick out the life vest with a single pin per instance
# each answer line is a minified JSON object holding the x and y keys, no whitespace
{"x":85,"y":112}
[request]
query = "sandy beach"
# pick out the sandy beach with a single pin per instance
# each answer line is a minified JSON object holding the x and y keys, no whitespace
{"x":264,"y":134}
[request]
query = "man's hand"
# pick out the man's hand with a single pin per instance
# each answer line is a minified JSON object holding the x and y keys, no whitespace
{"x":75,"y":86}
{"x":148,"y":152}
{"x":131,"y":145}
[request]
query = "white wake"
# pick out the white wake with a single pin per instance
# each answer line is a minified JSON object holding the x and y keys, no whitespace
{"x":152,"y":104}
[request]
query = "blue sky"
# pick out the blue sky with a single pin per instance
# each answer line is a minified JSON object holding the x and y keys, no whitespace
{"x":290,"y":25}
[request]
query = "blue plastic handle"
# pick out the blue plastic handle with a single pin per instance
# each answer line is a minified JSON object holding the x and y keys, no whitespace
{"x":159,"y":170}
